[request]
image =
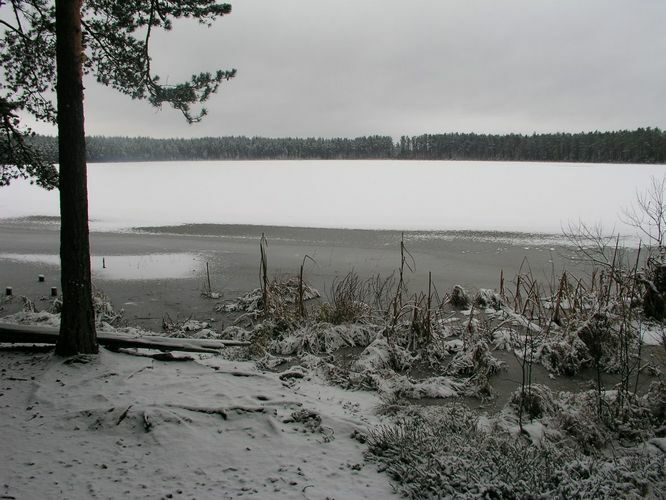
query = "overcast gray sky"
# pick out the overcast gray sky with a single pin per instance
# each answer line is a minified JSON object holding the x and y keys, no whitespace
{"x":358,"y":67}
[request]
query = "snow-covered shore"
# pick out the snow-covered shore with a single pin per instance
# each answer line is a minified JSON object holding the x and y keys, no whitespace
{"x":128,"y":425}
{"x":122,"y":426}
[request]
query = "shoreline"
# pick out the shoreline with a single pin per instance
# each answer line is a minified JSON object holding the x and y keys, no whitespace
{"x":233,"y":255}
{"x":228,"y":229}
{"x":350,"y":378}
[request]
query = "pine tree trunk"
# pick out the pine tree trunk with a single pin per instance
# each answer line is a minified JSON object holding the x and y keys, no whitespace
{"x":77,"y":328}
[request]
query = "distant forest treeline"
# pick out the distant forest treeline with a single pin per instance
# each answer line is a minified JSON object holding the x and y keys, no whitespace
{"x":644,"y":145}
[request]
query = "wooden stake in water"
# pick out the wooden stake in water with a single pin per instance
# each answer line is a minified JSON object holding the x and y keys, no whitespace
{"x":210,"y":290}
{"x":428,"y":325}
{"x":263,"y":270}
{"x":8,"y":291}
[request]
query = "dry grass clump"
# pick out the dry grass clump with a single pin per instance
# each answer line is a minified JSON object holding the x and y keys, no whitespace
{"x":104,"y":310}
{"x":348,"y":301}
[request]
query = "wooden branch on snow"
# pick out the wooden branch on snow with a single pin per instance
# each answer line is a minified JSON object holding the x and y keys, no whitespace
{"x":223,"y":412}
{"x":24,"y":334}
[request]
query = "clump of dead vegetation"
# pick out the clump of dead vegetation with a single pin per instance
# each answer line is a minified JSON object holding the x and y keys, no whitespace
{"x":105,"y":313}
{"x":282,"y":300}
{"x":275,"y":300}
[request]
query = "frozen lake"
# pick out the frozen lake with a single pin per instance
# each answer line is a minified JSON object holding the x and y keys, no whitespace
{"x":383,"y":194}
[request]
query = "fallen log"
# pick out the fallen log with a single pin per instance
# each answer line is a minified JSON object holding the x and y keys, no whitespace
{"x":32,"y":334}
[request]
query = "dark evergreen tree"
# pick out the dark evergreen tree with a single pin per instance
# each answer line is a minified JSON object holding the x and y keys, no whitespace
{"x":47,"y":45}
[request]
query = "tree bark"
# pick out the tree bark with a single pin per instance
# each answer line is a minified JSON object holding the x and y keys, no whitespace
{"x":77,"y":327}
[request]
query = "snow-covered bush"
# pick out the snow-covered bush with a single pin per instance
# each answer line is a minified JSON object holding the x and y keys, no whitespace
{"x":323,"y":338}
{"x":588,"y":420}
{"x":655,"y":401}
{"x":474,"y":359}
{"x":563,"y":355}
{"x":477,"y":364}
{"x":537,"y":401}
{"x":281,"y":293}
{"x":459,"y":298}
{"x":380,"y":355}
{"x":237,"y":333}
{"x":486,"y":298}
{"x":504,"y":339}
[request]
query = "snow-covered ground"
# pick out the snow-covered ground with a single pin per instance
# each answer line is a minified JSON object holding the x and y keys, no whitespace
{"x":123,"y":426}
{"x":434,"y":195}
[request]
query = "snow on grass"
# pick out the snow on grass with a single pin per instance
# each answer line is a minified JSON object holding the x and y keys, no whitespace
{"x":380,"y":355}
{"x":324,"y":337}
{"x":450,"y":452}
{"x":41,"y":318}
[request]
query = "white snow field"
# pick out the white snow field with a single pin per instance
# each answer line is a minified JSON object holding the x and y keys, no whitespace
{"x":382,"y":194}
